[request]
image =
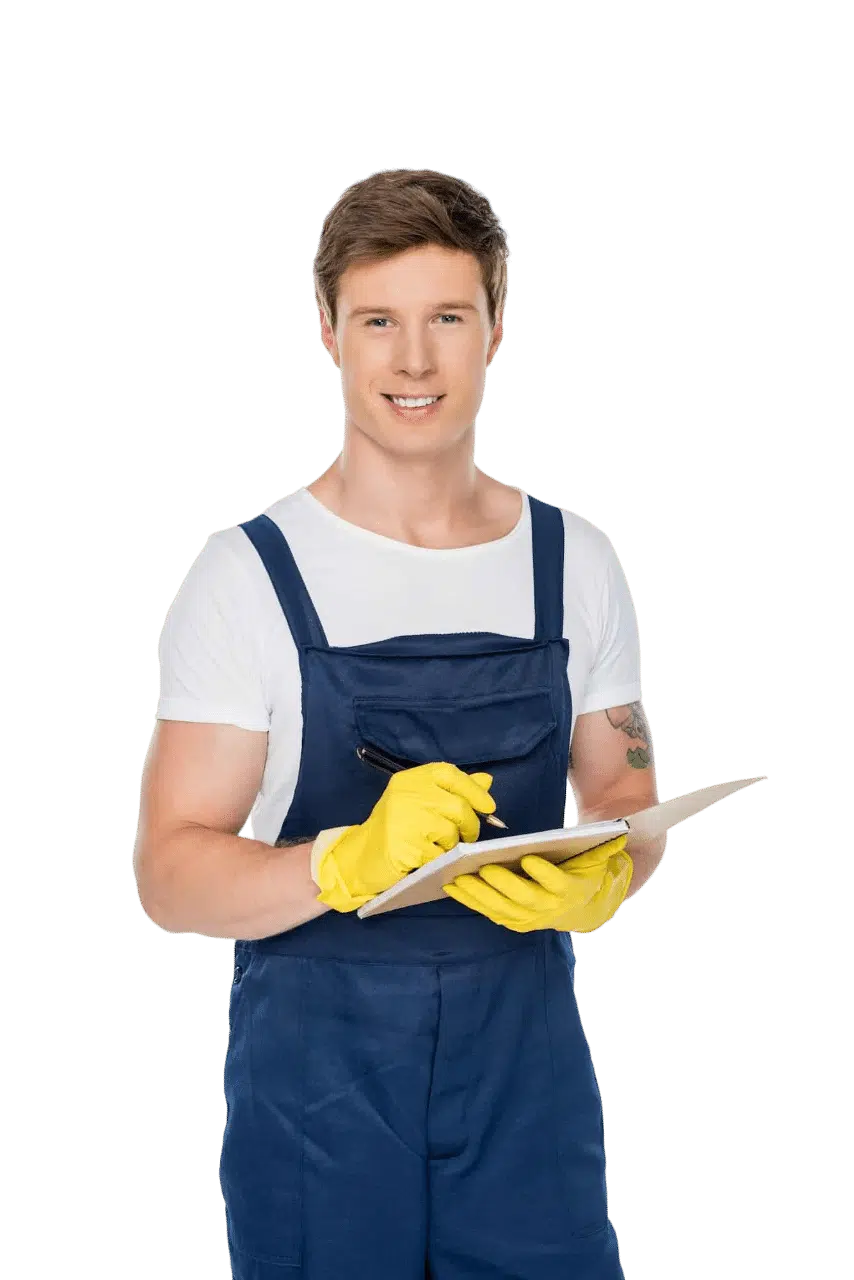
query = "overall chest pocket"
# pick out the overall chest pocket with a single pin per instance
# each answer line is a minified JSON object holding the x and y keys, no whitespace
{"x":484,"y":730}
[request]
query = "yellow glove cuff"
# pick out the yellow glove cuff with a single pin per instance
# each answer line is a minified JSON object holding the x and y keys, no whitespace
{"x":610,"y":898}
{"x":321,"y":844}
{"x":325,"y":873}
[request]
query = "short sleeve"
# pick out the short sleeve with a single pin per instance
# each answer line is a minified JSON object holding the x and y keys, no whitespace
{"x":614,"y":678}
{"x":209,"y":649}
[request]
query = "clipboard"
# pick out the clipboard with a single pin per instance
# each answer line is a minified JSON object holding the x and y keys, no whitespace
{"x":556,"y":845}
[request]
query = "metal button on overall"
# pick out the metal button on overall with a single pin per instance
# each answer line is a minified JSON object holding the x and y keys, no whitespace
{"x":414,"y":1091}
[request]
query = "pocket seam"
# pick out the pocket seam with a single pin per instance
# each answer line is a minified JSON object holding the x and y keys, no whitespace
{"x":241,"y":1244}
{"x":588,"y":1232}
{"x":445,"y":700}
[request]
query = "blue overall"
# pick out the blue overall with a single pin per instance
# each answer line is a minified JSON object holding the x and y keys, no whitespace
{"x":412,"y":1095}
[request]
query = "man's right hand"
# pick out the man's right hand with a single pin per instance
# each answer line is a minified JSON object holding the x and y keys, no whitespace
{"x":423,"y":812}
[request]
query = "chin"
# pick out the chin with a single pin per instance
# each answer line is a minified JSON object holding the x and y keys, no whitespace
{"x":410,"y":437}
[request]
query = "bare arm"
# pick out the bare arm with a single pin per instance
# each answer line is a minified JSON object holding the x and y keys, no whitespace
{"x":612,"y":774}
{"x":194,"y":873}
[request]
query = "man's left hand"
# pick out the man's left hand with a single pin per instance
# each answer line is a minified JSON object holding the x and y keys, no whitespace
{"x":578,"y":895}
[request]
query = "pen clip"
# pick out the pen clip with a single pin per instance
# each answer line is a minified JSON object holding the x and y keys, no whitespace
{"x":377,"y":758}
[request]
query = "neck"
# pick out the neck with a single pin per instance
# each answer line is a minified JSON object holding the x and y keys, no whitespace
{"x":437,"y":501}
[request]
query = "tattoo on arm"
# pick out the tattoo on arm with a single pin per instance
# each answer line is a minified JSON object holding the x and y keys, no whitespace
{"x":633,"y":723}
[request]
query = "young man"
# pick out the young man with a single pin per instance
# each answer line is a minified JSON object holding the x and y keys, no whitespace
{"x":410,"y":1095}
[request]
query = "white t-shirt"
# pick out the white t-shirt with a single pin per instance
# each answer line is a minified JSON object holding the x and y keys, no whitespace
{"x":227,"y":655}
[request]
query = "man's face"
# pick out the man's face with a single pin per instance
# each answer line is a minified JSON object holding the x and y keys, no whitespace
{"x":415,"y":325}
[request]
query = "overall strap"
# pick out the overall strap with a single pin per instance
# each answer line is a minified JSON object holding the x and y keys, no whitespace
{"x":272,"y":546}
{"x":547,"y":538}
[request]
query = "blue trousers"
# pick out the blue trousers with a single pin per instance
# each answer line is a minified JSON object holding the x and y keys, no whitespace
{"x":412,"y":1120}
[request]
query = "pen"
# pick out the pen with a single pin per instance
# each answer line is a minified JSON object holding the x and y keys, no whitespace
{"x":388,"y":764}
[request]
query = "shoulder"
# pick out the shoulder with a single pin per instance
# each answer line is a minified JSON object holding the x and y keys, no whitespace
{"x":229,"y":559}
{"x":594,"y":572}
{"x":589,"y":554}
{"x":221,"y":570}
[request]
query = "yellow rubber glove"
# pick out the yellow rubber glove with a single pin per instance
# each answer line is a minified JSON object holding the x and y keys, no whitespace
{"x":422,"y":812}
{"x":579,"y":894}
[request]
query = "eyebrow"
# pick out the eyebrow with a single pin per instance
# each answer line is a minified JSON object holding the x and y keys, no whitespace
{"x":439,"y":306}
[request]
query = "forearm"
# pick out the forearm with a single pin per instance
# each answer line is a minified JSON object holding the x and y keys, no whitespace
{"x":645,"y":854}
{"x":227,"y":886}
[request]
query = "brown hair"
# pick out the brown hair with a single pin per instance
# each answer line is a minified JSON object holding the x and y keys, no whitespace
{"x":397,"y":209}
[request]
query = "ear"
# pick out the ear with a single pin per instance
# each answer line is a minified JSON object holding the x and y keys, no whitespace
{"x":327,"y":336}
{"x":497,"y":335}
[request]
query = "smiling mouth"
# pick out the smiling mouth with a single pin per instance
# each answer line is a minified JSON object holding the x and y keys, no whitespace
{"x":434,"y":399}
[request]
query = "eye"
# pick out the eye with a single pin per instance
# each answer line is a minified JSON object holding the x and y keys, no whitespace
{"x":446,"y":315}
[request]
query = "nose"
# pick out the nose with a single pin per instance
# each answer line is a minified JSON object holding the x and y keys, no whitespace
{"x":414,"y":356}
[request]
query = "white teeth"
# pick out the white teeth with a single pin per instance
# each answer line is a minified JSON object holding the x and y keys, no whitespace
{"x":412,"y":403}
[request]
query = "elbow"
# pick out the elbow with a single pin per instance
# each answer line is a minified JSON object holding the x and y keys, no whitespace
{"x":151,"y":890}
